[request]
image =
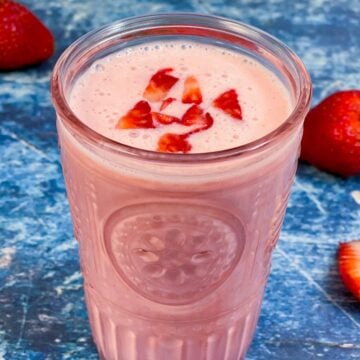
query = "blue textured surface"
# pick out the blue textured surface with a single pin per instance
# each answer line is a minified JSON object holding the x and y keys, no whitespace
{"x":307,"y":313}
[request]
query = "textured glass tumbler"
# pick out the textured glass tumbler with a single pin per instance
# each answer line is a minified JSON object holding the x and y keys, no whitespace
{"x":175,"y":249}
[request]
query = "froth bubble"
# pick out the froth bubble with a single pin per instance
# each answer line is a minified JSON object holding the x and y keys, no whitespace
{"x":133,"y":134}
{"x":99,"y":68}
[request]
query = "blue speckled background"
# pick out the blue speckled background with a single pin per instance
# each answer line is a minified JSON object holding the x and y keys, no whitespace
{"x":307,"y":313}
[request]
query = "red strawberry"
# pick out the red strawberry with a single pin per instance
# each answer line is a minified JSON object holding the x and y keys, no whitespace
{"x":208,"y":122}
{"x":193,"y":116}
{"x":349,"y":266}
{"x":192,"y":92}
{"x":174,"y":143}
{"x":331,"y":138}
{"x":165,"y":119}
{"x":159,"y":85}
{"x":228,"y":102}
{"x":24,"y":40}
{"x":138,"y":117}
{"x":166,"y":103}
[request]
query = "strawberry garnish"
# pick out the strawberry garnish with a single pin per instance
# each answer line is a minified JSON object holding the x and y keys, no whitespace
{"x":24,"y":39}
{"x":332,"y":134}
{"x":349,"y":266}
{"x":165,"y":119}
{"x":193,"y":116}
{"x":166,"y":103}
{"x":208,"y":121}
{"x":174,"y":143}
{"x":139,"y":117}
{"x":192,"y":92}
{"x":159,"y":85}
{"x":228,"y":102}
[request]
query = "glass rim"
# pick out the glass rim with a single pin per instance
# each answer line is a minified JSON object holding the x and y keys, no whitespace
{"x":194,"y":20}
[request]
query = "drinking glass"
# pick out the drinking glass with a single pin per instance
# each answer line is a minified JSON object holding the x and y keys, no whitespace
{"x":175,"y":249}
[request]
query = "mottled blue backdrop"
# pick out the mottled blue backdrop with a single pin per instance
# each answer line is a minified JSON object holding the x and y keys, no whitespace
{"x":307,"y":313}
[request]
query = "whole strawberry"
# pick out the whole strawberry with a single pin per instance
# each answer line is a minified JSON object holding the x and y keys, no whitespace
{"x":331,"y":138}
{"x":24,"y":40}
{"x":349,"y":266}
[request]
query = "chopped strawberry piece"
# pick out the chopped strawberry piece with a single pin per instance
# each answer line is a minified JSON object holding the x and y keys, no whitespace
{"x":166,"y":103}
{"x":159,"y":85}
{"x":138,"y":117}
{"x":193,"y":116}
{"x":209,"y":121}
{"x":207,"y":124}
{"x":349,"y":266}
{"x":174,"y":143}
{"x":165,"y":119}
{"x":228,"y":102}
{"x":192,"y":92}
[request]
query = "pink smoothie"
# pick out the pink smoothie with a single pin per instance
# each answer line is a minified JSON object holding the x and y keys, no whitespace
{"x":112,"y":85}
{"x":175,"y":255}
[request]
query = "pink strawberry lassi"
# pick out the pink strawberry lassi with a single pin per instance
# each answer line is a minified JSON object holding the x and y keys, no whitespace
{"x":178,"y":157}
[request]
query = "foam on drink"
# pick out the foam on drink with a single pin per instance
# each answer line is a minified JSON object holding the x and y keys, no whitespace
{"x":112,"y":85}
